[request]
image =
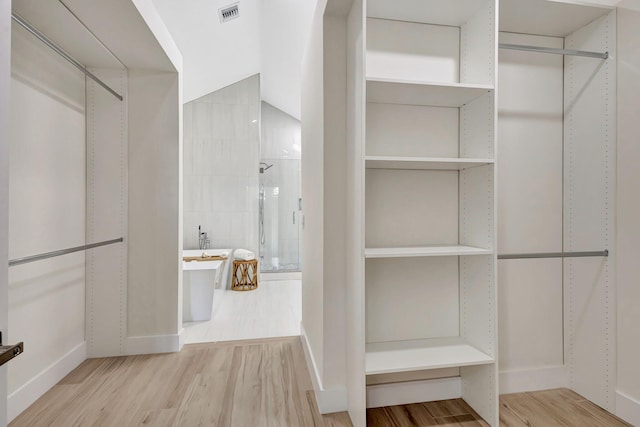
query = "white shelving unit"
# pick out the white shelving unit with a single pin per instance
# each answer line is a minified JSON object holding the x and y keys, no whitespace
{"x":420,"y":228}
{"x":413,"y":92}
{"x":425,"y":251}
{"x":423,"y":163}
{"x":427,"y":170}
{"x":416,"y":355}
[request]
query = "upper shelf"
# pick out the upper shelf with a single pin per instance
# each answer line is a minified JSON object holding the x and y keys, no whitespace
{"x":435,"y":353}
{"x":422,"y":251}
{"x":423,"y":163}
{"x":547,"y":18}
{"x":407,"y":92}
{"x":441,"y":12}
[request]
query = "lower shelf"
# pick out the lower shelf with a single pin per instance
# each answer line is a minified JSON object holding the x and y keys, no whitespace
{"x":436,"y":353}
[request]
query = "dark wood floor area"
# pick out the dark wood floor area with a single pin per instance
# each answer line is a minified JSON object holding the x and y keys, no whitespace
{"x":259,"y":383}
{"x":549,"y":408}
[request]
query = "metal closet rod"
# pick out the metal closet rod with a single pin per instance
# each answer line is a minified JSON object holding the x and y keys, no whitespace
{"x":556,"y":51}
{"x":604,"y":253}
{"x":39,"y":257}
{"x":62,"y":53}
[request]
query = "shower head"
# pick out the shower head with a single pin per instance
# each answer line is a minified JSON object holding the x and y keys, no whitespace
{"x":265,"y":167}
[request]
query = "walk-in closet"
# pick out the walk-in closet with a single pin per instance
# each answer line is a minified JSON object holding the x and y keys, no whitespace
{"x":480,"y":185}
{"x":93,"y":212}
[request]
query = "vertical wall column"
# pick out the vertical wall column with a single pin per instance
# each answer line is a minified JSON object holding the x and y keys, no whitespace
{"x":106,"y":269}
{"x":154,"y":271}
{"x":355,"y":268}
{"x":628,"y":212}
{"x":589,"y":211}
{"x":5,"y":73}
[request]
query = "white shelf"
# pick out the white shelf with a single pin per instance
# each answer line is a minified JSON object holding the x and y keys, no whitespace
{"x":412,"y":92}
{"x":423,"y":163}
{"x":421,"y":251}
{"x":436,"y":353}
{"x":442,"y":12}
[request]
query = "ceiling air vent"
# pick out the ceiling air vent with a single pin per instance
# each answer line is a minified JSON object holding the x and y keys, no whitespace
{"x":228,"y":13}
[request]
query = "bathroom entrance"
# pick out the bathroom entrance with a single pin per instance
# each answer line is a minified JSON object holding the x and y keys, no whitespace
{"x":242,"y":207}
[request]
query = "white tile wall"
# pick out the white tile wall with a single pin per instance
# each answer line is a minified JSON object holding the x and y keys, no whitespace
{"x":221,"y":156}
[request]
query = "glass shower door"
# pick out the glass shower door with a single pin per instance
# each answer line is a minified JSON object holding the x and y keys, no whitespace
{"x":280,"y":215}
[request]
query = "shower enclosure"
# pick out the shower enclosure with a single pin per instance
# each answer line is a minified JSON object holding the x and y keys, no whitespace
{"x":280,"y":215}
{"x":280,"y":202}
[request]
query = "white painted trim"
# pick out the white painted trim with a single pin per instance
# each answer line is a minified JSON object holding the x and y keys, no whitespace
{"x":181,"y":339}
{"x":152,"y":344}
{"x":26,"y":395}
{"x":413,"y":392}
{"x":294,"y":275}
{"x":328,"y":400}
{"x":533,"y":379}
{"x":628,"y":408}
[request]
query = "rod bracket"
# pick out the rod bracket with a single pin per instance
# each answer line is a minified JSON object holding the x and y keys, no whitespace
{"x":9,"y":352}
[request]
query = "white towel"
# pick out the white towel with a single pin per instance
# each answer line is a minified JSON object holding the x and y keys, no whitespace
{"x":244,"y":255}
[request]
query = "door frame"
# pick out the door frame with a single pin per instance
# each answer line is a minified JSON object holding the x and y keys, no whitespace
{"x":5,"y":82}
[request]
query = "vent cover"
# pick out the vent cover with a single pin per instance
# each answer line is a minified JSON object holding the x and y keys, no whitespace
{"x":228,"y":13}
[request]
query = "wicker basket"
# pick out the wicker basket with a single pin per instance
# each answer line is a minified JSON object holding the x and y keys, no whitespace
{"x":245,"y":275}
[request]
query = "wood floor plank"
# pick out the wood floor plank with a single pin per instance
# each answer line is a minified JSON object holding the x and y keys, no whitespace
{"x":338,"y":419}
{"x":466,"y":420}
{"x":448,"y":408}
{"x":564,"y":408}
{"x":605,"y":417}
{"x":508,"y":418}
{"x":533,"y":412}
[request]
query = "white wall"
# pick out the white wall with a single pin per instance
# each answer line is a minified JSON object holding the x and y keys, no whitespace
{"x":154,"y":279}
{"x":5,"y":81}
{"x":312,"y":119}
{"x":221,"y":155}
{"x":324,"y":153}
{"x":215,"y":55}
{"x":283,"y":35}
{"x":335,"y":199}
{"x":628,"y":228}
{"x":530,"y":135}
{"x":46,"y":212}
{"x":268,"y":38}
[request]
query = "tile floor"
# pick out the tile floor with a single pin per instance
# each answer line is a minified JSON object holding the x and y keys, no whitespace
{"x":272,"y":310}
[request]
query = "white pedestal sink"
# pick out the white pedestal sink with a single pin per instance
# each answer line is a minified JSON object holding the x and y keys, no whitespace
{"x":200,"y":278}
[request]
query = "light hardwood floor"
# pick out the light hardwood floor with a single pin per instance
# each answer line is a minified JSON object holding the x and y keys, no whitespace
{"x":272,"y":310}
{"x":258,"y":383}
{"x":242,"y":383}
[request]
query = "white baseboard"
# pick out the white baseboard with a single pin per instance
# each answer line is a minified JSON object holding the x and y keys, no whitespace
{"x":628,"y":408}
{"x":413,"y":392}
{"x":533,"y":379}
{"x":328,"y":400}
{"x":292,"y":275}
{"x":24,"y":397}
{"x":152,"y":344}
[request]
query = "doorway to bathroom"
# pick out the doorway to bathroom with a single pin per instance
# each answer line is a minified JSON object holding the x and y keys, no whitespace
{"x":242,"y":204}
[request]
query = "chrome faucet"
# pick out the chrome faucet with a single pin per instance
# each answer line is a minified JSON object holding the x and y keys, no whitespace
{"x":203,"y":240}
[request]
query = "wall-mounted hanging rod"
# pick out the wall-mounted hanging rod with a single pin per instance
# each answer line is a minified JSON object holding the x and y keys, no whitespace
{"x":604,"y":253}
{"x":64,"y":54}
{"x":32,"y":258}
{"x":554,"y":50}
